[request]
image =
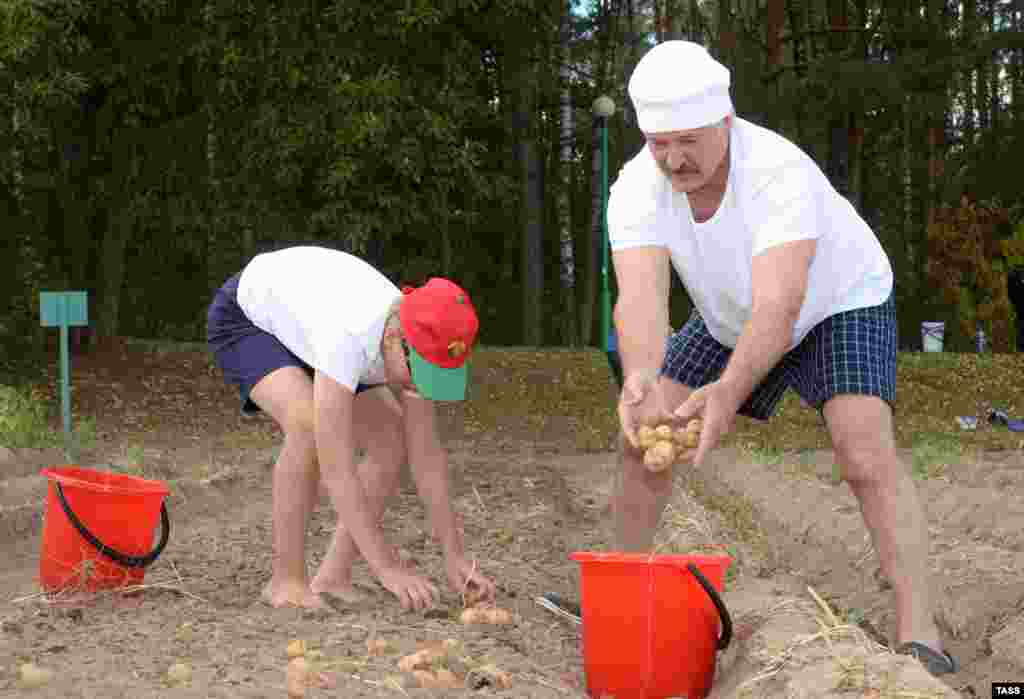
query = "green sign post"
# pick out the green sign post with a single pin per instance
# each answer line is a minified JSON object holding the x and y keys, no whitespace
{"x":64,"y":309}
{"x":603,"y":109}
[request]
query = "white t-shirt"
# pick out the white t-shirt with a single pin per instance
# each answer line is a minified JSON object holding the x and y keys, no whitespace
{"x":776,"y":193}
{"x":328,"y":307}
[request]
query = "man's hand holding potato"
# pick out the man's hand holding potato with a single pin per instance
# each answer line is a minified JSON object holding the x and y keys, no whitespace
{"x":716,"y":404}
{"x":641,"y":403}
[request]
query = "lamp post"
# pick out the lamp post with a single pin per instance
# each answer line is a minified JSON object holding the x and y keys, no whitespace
{"x":604,"y":108}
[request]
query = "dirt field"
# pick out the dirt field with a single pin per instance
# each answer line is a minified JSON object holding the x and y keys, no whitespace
{"x":531,"y":488}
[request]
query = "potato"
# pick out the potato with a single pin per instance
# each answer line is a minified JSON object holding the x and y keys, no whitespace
{"x":378,"y":646}
{"x":422,"y":658}
{"x":439,"y":649}
{"x":646,"y":436}
{"x":297,"y":677}
{"x":663,"y":433}
{"x":472,"y":596}
{"x":179,"y":673}
{"x":425,"y":678}
{"x":441,"y":679}
{"x":679,"y":436}
{"x":33,"y":676}
{"x":502,"y":679}
{"x":473,"y":615}
{"x":485,"y":615}
{"x":296,"y":648}
{"x":496,"y":615}
{"x":660,"y":456}
{"x":688,"y":437}
{"x":446,"y":679}
{"x":693,"y":428}
{"x":413,"y":661}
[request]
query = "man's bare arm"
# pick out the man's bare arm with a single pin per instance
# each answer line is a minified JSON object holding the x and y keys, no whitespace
{"x":641,"y":311}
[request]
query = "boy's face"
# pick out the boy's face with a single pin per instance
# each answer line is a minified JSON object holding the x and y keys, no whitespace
{"x":396,"y":361}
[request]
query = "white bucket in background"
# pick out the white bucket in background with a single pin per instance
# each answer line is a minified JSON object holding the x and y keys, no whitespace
{"x":931,"y":335}
{"x":980,"y":342}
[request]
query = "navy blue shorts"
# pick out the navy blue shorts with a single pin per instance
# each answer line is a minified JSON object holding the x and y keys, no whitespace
{"x":245,"y":353}
{"x":853,"y":352}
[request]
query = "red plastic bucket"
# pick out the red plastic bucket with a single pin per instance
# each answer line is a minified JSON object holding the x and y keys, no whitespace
{"x":650,"y":623}
{"x":98,"y":529}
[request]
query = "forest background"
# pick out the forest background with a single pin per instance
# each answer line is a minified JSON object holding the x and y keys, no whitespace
{"x":148,"y":147}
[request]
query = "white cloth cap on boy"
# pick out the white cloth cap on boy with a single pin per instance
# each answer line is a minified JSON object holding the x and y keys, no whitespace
{"x":678,"y":86}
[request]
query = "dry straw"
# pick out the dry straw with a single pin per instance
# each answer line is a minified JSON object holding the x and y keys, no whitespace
{"x":836,"y":634}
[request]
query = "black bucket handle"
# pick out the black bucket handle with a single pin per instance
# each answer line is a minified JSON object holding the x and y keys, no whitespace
{"x":117,"y":557}
{"x":723,"y":613}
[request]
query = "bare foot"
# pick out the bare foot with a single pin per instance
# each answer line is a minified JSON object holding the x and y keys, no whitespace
{"x":291,"y":595}
{"x":346,"y":592}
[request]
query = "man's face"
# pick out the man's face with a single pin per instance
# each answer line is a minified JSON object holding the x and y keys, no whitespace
{"x":690,"y":158}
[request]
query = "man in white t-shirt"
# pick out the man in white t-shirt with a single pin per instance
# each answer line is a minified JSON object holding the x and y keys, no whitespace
{"x":342,"y":359}
{"x":791,"y":289}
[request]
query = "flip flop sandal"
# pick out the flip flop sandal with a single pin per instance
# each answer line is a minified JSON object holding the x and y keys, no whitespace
{"x":934,"y":662}
{"x":998,"y":417}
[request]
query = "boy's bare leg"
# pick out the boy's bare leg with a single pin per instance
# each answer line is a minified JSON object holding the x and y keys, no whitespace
{"x":378,"y":423}
{"x":287,"y":396}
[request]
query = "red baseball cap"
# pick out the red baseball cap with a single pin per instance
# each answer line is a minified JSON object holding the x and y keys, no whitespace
{"x":440,"y":324}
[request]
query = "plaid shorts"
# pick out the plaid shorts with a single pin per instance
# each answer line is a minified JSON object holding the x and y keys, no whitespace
{"x":850,"y":352}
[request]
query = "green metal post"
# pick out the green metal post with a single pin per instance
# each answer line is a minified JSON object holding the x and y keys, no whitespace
{"x":614,"y":362}
{"x":64,"y":309}
{"x":65,"y":391}
{"x":606,"y":301}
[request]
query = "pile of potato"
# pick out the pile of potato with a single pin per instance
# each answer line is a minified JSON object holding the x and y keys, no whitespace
{"x":441,"y":665}
{"x":664,"y":446}
{"x":486,"y":615}
{"x":436,"y":665}
{"x":427,"y":665}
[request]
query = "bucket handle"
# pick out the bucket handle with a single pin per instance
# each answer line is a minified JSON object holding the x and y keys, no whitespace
{"x":723,"y":613}
{"x":117,"y":557}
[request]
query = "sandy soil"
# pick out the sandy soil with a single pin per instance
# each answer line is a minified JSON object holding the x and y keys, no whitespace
{"x":528,"y":498}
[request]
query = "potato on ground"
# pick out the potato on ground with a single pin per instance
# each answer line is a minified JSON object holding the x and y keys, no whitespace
{"x":32,"y":676}
{"x":442,"y":678}
{"x":296,"y":648}
{"x":378,"y":646}
{"x":179,"y":673}
{"x":485,"y":615}
{"x":297,"y":677}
